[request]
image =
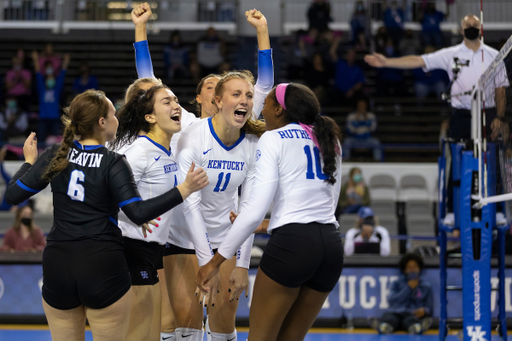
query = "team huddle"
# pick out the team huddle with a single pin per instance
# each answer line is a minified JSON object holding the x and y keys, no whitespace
{"x":155,"y":209}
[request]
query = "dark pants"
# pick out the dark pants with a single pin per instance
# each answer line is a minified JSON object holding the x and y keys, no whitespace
{"x":460,"y":129}
{"x":48,"y":127}
{"x":400,"y":321}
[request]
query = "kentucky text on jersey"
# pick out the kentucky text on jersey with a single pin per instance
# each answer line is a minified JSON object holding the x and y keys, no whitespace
{"x":84,"y":159}
{"x":172,"y":167}
{"x":294,"y":133}
{"x":223,"y":164}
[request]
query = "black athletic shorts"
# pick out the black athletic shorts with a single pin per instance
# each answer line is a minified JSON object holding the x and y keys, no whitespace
{"x":143,"y":259}
{"x":171,"y":249}
{"x":304,"y":254}
{"x":88,"y":272}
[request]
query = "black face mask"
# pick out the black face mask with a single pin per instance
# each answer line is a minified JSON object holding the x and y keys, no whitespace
{"x":26,"y":221}
{"x":471,"y":33}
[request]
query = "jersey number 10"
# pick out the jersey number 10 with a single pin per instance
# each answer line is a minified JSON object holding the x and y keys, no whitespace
{"x":310,"y":174}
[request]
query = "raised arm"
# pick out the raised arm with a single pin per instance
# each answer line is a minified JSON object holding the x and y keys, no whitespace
{"x":35,"y":61}
{"x":140,"y":17}
{"x":408,"y":62}
{"x":265,"y":80}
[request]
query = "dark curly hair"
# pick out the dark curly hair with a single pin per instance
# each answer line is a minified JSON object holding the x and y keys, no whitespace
{"x":410,"y":256}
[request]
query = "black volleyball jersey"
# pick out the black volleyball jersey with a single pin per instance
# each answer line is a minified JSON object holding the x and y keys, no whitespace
{"x":87,"y":194}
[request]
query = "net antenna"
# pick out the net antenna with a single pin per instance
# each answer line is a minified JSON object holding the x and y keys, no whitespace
{"x":493,"y":89}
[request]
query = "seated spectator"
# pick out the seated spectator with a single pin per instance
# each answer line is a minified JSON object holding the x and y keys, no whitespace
{"x":49,"y":89}
{"x":410,"y":45}
{"x":430,"y":20}
{"x":434,"y":81}
{"x":318,"y":77}
{"x":319,"y":15}
{"x":394,"y":22}
{"x":18,"y":83}
{"x":24,"y":236}
{"x":359,"y":25}
{"x":367,"y":237}
{"x":85,"y":80}
{"x":210,"y":53}
{"x":13,"y":120}
{"x":380,"y":40}
{"x":176,"y":58}
{"x":49,"y":57}
{"x":360,"y":126}
{"x":390,"y":81}
{"x":354,"y":193}
{"x":349,"y":78}
{"x":410,"y":300}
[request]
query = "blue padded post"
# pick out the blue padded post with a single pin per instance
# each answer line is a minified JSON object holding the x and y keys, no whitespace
{"x":456,"y":149}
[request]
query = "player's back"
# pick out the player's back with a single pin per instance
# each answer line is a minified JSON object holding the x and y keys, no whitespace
{"x":302,"y":195}
{"x":84,"y":205}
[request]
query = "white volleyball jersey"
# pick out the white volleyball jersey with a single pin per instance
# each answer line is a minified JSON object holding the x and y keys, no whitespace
{"x":155,"y":172}
{"x":207,"y":211}
{"x":288,"y":175}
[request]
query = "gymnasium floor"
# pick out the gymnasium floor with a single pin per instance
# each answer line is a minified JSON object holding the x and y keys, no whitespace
{"x":41,"y":333}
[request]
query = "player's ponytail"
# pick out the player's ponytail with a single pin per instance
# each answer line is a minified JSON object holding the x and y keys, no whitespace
{"x":254,"y":127}
{"x":80,"y":119}
{"x":132,"y":116}
{"x":300,"y":105}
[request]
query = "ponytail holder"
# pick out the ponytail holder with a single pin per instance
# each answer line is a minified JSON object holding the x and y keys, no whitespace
{"x":74,"y":123}
{"x":280,"y":93}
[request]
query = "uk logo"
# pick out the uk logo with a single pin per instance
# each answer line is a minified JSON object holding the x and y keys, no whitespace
{"x":144,"y":274}
{"x":476,"y":333}
{"x":258,"y":154}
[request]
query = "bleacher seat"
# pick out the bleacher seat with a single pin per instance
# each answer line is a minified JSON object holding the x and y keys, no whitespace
{"x":383,"y":207}
{"x":346,"y":221}
{"x":44,"y":221}
{"x":418,"y":207}
{"x":390,"y":222}
{"x":383,"y":187}
{"x":420,"y":225}
{"x":413,"y":187}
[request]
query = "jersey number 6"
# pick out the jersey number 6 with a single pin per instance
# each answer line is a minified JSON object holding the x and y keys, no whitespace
{"x":309,"y":173}
{"x":76,"y":190}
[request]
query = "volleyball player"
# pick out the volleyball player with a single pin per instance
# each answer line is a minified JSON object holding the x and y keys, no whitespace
{"x":155,"y":111}
{"x":298,"y":170}
{"x":84,"y":268}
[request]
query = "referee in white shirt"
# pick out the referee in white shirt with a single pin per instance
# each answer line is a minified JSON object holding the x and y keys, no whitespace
{"x":468,"y":57}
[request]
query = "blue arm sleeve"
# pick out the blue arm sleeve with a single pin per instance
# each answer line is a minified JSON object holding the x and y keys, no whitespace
{"x":265,"y":69}
{"x":143,"y":60}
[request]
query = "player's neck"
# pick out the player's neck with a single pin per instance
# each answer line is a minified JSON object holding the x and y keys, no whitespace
{"x":472,"y":44}
{"x":92,"y":142}
{"x":227,"y":134}
{"x":161,"y":138}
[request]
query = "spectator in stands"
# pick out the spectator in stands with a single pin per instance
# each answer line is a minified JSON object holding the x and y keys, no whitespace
{"x":319,"y":15}
{"x":18,"y":82}
{"x":367,"y":236}
{"x":380,"y":40}
{"x":24,"y":236}
{"x":49,"y":59}
{"x":210,"y":53}
{"x":410,"y":44}
{"x":349,"y":78}
{"x":430,"y":20}
{"x":394,"y":22}
{"x":299,"y":52}
{"x":390,"y":80}
{"x":434,"y":81}
{"x":85,"y":80}
{"x":359,"y":25}
{"x":360,"y":126}
{"x":318,"y":77}
{"x":13,"y":120}
{"x":49,"y":89}
{"x":354,"y":194}
{"x":410,"y":300}
{"x":176,"y":58}
{"x":4,"y":206}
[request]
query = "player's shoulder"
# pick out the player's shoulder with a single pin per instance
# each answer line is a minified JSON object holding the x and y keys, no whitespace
{"x":197,"y":127}
{"x":187,"y":118}
{"x":491,"y":50}
{"x":251,"y":139}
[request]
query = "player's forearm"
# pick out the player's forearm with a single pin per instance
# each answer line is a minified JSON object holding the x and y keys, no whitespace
{"x":263,"y":38}
{"x":407,"y":62}
{"x":141,"y":32}
{"x":501,"y":102}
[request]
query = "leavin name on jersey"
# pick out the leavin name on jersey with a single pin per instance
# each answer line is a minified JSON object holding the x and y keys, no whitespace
{"x":223,"y":164}
{"x":294,"y":133}
{"x":84,"y":159}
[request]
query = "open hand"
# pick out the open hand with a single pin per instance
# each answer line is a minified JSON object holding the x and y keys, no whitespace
{"x":376,"y":60}
{"x":30,"y":148}
{"x":238,"y":282}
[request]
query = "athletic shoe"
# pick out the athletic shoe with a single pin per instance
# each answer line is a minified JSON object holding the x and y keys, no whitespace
{"x":381,"y":327}
{"x":374,"y":323}
{"x":449,"y":219}
{"x":426,"y":323}
{"x":500,"y":219}
{"x":415,"y":329}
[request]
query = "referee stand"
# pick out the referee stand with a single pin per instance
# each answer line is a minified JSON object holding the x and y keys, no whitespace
{"x":476,"y":227}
